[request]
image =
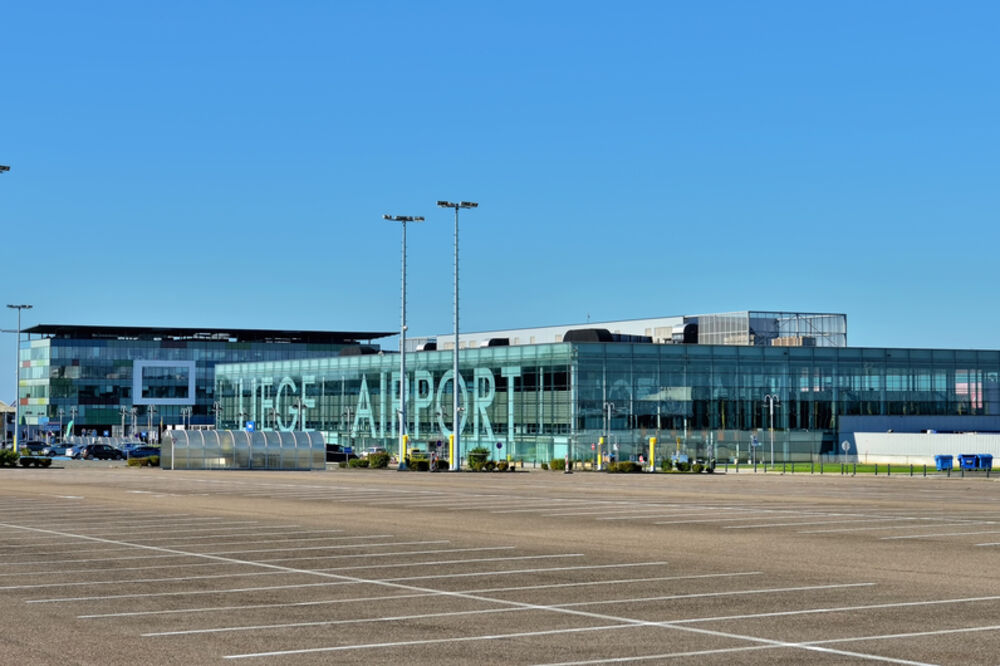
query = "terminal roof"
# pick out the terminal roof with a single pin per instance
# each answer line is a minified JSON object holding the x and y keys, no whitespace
{"x":202,"y":333}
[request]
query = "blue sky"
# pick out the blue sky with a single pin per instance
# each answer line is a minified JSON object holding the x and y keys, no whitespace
{"x":227,"y":163}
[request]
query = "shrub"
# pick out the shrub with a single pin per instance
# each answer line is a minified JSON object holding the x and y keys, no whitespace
{"x":342,"y":464}
{"x":418,"y":464}
{"x":478,"y":454}
{"x":489,"y":465}
{"x":683,"y":466}
{"x":8,"y":457}
{"x":135,"y":462}
{"x":697,"y":468}
{"x":625,"y":467}
{"x":441,"y":465}
{"x":378,"y":460}
{"x":667,"y":465}
{"x":558,"y":464}
{"x":357,"y":462}
{"x":503,"y":466}
{"x":545,"y":466}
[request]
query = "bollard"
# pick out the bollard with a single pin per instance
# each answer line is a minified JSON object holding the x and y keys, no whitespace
{"x":812,"y":467}
{"x":754,"y":466}
{"x":854,"y":469}
{"x":911,"y":469}
{"x":566,"y":468}
{"x":925,"y":470}
{"x":782,"y":466}
{"x":888,"y":469}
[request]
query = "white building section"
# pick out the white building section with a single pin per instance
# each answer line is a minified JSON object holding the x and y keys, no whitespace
{"x":920,"y":448}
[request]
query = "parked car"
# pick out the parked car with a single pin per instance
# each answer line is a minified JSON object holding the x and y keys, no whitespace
{"x":73,"y":451}
{"x":373,"y":449}
{"x":54,"y":450}
{"x":101,"y":452}
{"x":334,"y":453}
{"x":34,"y":448}
{"x":143,"y":451}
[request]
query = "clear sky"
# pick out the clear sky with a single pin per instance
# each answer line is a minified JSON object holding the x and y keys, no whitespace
{"x":227,"y":163}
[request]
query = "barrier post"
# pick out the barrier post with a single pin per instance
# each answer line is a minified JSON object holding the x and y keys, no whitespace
{"x":652,"y":454}
{"x":451,"y":451}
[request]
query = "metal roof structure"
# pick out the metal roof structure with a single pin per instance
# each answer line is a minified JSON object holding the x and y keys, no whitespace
{"x":78,"y":332}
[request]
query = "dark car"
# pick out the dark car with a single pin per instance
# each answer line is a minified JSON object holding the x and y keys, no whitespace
{"x":101,"y":452}
{"x":334,"y":453}
{"x":143,"y":451}
{"x":34,"y":448}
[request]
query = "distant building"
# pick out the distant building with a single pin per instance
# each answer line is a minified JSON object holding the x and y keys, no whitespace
{"x":95,"y":376}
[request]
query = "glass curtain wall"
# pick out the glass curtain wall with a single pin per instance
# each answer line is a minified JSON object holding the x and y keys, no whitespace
{"x":546,"y":401}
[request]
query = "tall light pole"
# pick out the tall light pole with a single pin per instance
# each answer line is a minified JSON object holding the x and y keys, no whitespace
{"x":403,"y":219}
{"x":770,"y":399}
{"x":456,"y":414}
{"x":17,"y":367}
{"x":124,"y":412}
{"x":217,"y":408}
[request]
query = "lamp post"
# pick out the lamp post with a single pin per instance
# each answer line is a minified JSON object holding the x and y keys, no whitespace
{"x":350,"y":426}
{"x":17,"y":366}
{"x":186,"y":417}
{"x":149,"y":417}
{"x":217,"y":408}
{"x":403,"y":219}
{"x":72,"y":415}
{"x":135,"y":417}
{"x":609,"y":407}
{"x":770,"y":399}
{"x":457,"y":429}
{"x":61,"y":412}
{"x":124,"y":412}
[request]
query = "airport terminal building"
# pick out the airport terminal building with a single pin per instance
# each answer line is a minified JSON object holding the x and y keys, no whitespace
{"x":102,"y":378}
{"x":704,"y":385}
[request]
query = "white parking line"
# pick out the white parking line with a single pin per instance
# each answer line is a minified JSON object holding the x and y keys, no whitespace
{"x":940,"y":534}
{"x":363,"y":620}
{"x":589,"y":583}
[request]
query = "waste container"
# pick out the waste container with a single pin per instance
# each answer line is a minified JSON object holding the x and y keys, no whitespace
{"x":943,"y":463}
{"x":968,"y":460}
{"x":984,"y":460}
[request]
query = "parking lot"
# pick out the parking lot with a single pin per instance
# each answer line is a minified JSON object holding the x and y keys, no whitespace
{"x":106,"y":564}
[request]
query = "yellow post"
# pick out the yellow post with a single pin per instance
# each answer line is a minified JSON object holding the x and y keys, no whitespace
{"x":652,"y":454}
{"x":600,"y":448}
{"x":405,"y":440}
{"x":451,"y":450}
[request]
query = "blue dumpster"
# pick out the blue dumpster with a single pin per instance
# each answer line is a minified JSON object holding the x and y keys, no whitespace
{"x":943,"y":463}
{"x":984,"y":460}
{"x":967,"y":460}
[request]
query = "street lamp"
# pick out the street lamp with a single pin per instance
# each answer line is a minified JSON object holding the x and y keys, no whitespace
{"x":72,"y":415}
{"x":186,"y":417}
{"x":455,"y":463}
{"x":770,"y":399}
{"x":609,"y":408}
{"x":17,"y":366}
{"x":217,"y":408}
{"x":149,"y":416}
{"x":402,"y":331}
{"x":124,"y":412}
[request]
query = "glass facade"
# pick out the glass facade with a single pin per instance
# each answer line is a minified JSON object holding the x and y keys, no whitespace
{"x":151,"y":376}
{"x":540,"y":402}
